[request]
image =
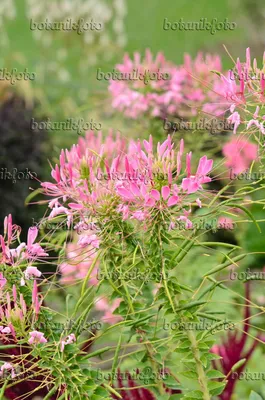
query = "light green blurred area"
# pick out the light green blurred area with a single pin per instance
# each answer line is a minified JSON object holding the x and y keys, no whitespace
{"x":144,"y":25}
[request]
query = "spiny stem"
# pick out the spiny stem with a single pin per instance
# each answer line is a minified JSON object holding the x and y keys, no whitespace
{"x":164,"y":271}
{"x":200,"y":370}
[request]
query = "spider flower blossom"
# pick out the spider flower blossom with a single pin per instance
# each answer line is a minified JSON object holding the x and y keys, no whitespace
{"x":244,"y":88}
{"x":153,"y":181}
{"x":189,"y":86}
{"x":36,"y":337}
{"x":2,"y":280}
{"x":165,"y":187}
{"x":69,"y":340}
{"x":7,"y":367}
{"x":24,"y":251}
{"x":135,"y":96}
{"x":77,"y":176}
{"x":239,"y":154}
{"x":14,"y":312}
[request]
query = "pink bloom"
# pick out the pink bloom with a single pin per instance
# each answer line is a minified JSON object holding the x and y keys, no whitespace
{"x":198,"y":201}
{"x":194,"y":182}
{"x":6,"y":330}
{"x":31,"y":272}
{"x":7,"y":367}
{"x":69,"y":340}
{"x":188,"y":223}
{"x":235,"y":119}
{"x":226,"y":223}
{"x":86,"y":240}
{"x":35,"y":299}
{"x":34,"y":249}
{"x":36,"y":337}
{"x":239,"y":154}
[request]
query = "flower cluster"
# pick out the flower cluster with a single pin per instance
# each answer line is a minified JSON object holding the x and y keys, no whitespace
{"x":244,"y":88}
{"x":190,"y":87}
{"x":18,"y":271}
{"x":239,"y":154}
{"x":79,"y":195}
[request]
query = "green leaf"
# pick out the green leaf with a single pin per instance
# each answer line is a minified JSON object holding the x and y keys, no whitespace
{"x":171,"y":382}
{"x":98,"y":352}
{"x":190,"y":374}
{"x":195,"y":394}
{"x":3,"y":389}
{"x":255,"y":396}
{"x":116,"y":357}
{"x":191,"y":305}
{"x":212,"y":356}
{"x":214,"y":374}
{"x":248,"y":213}
{"x":220,"y":267}
{"x":216,"y":388}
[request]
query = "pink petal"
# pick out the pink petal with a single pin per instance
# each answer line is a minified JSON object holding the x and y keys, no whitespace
{"x":172,"y":201}
{"x":32,"y":234}
{"x":165,"y":192}
{"x":125,"y":193}
{"x":76,"y":206}
{"x":155,"y":193}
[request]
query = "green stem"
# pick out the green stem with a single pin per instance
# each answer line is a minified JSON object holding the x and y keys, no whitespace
{"x":200,"y":370}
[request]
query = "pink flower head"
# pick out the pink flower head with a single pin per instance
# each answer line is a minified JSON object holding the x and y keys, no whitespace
{"x":7,"y":367}
{"x":194,"y":182}
{"x":91,"y":239}
{"x":225,"y":223}
{"x":34,"y":249}
{"x":31,"y":272}
{"x":36,"y":337}
{"x":69,"y":340}
{"x":239,"y":154}
{"x":5,"y":330}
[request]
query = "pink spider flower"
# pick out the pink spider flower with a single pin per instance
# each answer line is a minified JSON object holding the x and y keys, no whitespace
{"x":180,"y":95}
{"x":138,"y":96}
{"x":7,"y":367}
{"x":193,"y":183}
{"x":69,"y":340}
{"x":89,"y":239}
{"x":12,"y":309}
{"x":234,"y":119}
{"x":245,"y":87}
{"x":78,"y":176}
{"x":36,"y":337}
{"x":239,"y":154}
{"x":31,"y":272}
